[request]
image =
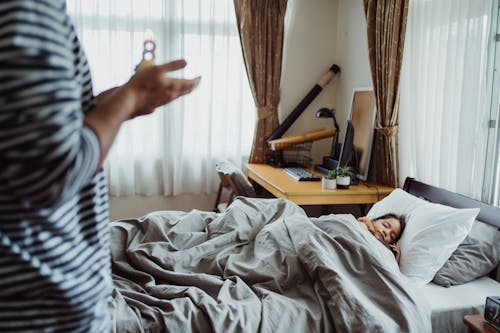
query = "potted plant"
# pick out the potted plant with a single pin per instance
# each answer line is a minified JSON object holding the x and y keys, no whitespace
{"x":344,"y":174}
{"x":329,"y":181}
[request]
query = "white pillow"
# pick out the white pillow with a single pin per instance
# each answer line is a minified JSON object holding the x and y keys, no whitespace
{"x":432,"y":232}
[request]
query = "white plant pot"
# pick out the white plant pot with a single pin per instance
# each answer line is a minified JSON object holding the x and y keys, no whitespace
{"x":328,"y":184}
{"x":343,"y":182}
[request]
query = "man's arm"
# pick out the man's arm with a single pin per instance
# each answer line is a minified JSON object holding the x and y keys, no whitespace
{"x":48,"y":149}
{"x":148,"y":89}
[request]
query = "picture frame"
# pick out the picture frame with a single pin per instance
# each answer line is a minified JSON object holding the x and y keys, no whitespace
{"x":362,"y":116}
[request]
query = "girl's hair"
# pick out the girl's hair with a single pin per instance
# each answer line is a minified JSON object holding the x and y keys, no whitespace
{"x":401,"y":220}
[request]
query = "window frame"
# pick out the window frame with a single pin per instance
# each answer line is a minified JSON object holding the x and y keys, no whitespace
{"x":491,"y":183}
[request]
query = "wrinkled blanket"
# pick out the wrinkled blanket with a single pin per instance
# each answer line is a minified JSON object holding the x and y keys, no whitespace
{"x":262,"y":266}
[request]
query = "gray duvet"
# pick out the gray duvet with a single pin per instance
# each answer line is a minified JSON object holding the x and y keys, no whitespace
{"x":262,"y":266}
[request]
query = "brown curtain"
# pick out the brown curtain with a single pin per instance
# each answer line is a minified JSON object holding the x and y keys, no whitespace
{"x":386,"y":26}
{"x":261,"y":26}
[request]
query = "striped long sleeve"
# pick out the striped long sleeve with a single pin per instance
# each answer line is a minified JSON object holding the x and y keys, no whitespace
{"x":55,"y":270}
{"x":46,"y":156}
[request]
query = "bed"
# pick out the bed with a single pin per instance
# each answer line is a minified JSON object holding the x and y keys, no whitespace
{"x":450,"y":305}
{"x":264,"y":266}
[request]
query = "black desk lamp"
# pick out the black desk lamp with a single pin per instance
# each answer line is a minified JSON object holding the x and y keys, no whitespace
{"x":330,"y":113}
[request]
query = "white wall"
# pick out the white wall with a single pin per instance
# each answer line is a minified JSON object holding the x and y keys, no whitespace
{"x":318,"y":33}
{"x":352,"y":55}
{"x":308,"y":52}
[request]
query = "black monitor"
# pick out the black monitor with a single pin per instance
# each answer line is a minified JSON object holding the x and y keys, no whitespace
{"x":347,"y":153}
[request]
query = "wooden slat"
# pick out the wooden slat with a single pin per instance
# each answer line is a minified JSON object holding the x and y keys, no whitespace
{"x":316,"y":134}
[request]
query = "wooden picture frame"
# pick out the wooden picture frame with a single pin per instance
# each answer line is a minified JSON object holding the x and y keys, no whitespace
{"x":362,"y":116}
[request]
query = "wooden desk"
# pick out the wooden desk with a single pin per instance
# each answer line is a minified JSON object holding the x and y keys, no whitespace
{"x":276,"y":181}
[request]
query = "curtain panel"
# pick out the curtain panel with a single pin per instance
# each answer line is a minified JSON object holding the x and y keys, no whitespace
{"x":386,"y":25}
{"x":444,"y":113}
{"x":174,"y":150}
{"x":261,"y":30}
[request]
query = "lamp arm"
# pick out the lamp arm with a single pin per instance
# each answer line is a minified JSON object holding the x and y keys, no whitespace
{"x":336,"y":125}
{"x":336,"y":136}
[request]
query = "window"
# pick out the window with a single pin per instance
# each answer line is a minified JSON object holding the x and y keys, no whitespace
{"x":174,"y":150}
{"x":444,"y":116}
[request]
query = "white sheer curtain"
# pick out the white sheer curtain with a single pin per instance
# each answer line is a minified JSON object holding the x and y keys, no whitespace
{"x":174,"y":150}
{"x":443,"y":115}
{"x":491,"y":190}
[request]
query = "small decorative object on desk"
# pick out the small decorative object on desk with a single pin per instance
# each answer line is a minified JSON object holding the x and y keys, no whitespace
{"x":148,"y":52}
{"x":492,"y":311}
{"x":344,"y":174}
{"x":293,"y":155}
{"x":329,"y":182}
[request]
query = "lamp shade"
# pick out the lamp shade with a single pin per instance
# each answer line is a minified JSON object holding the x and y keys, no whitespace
{"x":324,"y":113}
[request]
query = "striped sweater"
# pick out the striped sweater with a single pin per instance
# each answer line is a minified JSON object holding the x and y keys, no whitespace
{"x":55,"y":272}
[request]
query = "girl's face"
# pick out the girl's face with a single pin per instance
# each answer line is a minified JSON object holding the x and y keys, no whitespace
{"x":387,"y":229}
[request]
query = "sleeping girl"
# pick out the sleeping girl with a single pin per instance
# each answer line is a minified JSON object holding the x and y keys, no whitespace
{"x":387,"y":229}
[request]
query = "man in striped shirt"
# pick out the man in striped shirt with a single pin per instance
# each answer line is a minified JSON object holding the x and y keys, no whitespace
{"x":55,"y":272}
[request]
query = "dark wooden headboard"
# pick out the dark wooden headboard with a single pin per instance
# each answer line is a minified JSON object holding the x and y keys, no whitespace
{"x":488,"y":214}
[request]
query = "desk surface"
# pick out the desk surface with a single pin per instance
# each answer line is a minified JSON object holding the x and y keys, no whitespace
{"x":276,"y":181}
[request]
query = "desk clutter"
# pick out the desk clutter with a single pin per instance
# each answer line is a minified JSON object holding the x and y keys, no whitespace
{"x":298,"y":155}
{"x":295,"y":150}
{"x":354,"y":151}
{"x":300,"y":174}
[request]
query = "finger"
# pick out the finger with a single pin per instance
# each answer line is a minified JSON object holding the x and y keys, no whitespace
{"x":192,"y":85}
{"x":180,"y":82}
{"x":182,"y":85}
{"x":172,"y":65}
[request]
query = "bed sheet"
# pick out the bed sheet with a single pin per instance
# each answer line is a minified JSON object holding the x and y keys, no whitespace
{"x":450,"y":305}
{"x":261,"y":266}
